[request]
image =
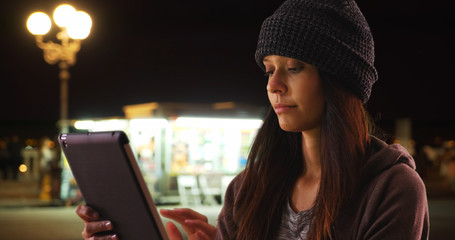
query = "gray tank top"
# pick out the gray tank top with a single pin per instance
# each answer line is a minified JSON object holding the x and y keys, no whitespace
{"x":294,"y":225}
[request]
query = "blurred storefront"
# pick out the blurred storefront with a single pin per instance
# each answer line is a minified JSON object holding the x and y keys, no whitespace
{"x":188,"y":153}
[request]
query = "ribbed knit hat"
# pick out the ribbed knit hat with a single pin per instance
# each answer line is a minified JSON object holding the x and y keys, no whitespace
{"x":332,"y":35}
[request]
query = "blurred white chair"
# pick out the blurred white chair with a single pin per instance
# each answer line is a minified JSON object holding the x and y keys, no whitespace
{"x":189,"y":191}
{"x":210,"y":191}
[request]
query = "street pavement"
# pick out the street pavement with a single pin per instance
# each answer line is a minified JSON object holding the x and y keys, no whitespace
{"x":55,"y":223}
{"x":26,"y":216}
{"x":40,"y":223}
{"x":23,"y":216}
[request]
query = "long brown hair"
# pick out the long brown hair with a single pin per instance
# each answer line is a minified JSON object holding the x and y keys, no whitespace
{"x":276,"y":161}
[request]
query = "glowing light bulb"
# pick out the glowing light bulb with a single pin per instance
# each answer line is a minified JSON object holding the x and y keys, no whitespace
{"x":63,"y":15}
{"x":39,"y":23}
{"x":23,"y":168}
{"x":80,"y":26}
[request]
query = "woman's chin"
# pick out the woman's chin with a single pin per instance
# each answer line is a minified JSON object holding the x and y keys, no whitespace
{"x":289,"y":128}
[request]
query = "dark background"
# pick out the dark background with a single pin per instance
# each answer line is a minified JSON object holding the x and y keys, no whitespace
{"x":202,"y":51}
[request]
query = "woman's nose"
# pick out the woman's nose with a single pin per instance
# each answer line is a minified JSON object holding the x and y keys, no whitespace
{"x":276,"y":83}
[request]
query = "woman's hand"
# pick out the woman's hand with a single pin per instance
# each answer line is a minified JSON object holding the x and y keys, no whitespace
{"x":194,"y":224}
{"x":93,"y":226}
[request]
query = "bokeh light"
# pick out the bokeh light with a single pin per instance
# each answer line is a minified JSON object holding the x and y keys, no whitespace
{"x":39,"y":23}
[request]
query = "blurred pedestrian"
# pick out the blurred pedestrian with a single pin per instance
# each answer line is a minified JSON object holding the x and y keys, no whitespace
{"x":47,"y":156}
{"x":4,"y":158}
{"x":47,"y":159}
{"x":447,"y":168}
{"x":451,"y":174}
{"x":423,"y":162}
{"x":314,"y":171}
{"x":15,"y":148}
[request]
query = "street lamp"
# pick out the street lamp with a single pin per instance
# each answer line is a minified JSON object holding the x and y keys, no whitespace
{"x":74,"y":26}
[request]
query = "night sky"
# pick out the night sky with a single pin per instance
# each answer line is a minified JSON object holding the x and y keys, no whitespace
{"x":203,"y":51}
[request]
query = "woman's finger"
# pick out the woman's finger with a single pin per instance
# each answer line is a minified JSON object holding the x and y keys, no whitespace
{"x":181,"y":214}
{"x":173,"y":232}
{"x":202,"y":227}
{"x":92,"y":228}
{"x":200,"y":235}
{"x":105,"y":237}
{"x":87,"y":213}
{"x":194,"y":224}
{"x":190,"y":214}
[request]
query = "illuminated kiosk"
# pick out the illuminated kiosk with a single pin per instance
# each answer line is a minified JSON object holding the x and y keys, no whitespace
{"x":175,"y":142}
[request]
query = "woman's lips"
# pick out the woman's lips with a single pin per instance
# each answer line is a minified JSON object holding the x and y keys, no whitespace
{"x":282,"y":108}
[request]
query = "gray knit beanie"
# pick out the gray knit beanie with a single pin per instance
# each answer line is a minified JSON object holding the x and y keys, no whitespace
{"x":332,"y":35}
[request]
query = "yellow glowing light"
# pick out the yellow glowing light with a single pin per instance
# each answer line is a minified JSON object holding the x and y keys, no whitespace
{"x":112,"y":124}
{"x":39,"y":23}
{"x":148,"y":123}
{"x":23,"y":168}
{"x":84,"y":124}
{"x":103,"y":125}
{"x":63,"y":15}
{"x":218,"y":123}
{"x":80,"y":26}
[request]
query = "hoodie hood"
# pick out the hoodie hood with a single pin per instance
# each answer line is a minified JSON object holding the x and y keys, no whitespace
{"x":389,"y":186}
{"x":384,"y":156}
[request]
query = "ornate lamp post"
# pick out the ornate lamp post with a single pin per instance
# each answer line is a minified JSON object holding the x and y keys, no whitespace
{"x":74,"y":26}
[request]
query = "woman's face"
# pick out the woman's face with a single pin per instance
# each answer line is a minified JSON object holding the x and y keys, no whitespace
{"x":295,"y":92}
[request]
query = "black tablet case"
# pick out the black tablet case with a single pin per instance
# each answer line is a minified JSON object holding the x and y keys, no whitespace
{"x":110,"y":181}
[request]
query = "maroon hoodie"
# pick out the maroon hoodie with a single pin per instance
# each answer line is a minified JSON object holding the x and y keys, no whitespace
{"x":391,"y":204}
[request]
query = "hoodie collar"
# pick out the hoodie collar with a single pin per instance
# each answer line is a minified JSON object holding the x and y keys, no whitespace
{"x":384,"y":156}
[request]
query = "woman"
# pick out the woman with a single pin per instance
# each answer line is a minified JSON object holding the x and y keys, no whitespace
{"x":314,"y":171}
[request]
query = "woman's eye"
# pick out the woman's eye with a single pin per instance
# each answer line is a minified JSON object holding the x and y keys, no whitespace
{"x":268,"y":74}
{"x":295,"y":70}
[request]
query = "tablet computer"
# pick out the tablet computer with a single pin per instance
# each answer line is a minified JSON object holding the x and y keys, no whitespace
{"x":111,"y":182}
